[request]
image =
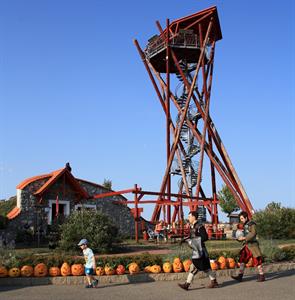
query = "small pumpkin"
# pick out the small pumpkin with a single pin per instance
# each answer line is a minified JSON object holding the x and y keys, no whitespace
{"x":221,"y":260}
{"x":147,"y":269}
{"x":249,"y":264}
{"x":65,"y":269}
{"x":99,"y":271}
{"x":133,"y":268}
{"x":155,"y":269}
{"x":186,"y":264}
{"x":120,"y":270}
{"x":40,"y":270}
{"x":14,"y":272}
{"x":77,"y":270}
{"x":177,"y":265}
{"x":167,"y":267}
{"x":231,"y":263}
{"x":3,"y":272}
{"x":54,"y":271}
{"x":223,"y":266}
{"x":214,"y":265}
{"x":27,"y":271}
{"x":177,"y":260}
{"x":109,"y":270}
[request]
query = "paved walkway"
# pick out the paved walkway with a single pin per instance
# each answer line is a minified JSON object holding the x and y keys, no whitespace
{"x":280,"y":285}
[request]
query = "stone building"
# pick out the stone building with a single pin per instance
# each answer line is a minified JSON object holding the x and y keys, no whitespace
{"x":41,"y":198}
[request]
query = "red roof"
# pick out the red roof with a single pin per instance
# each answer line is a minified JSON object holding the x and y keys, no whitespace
{"x":203,"y":16}
{"x":27,"y":181}
{"x":13,"y":213}
{"x":52,"y":178}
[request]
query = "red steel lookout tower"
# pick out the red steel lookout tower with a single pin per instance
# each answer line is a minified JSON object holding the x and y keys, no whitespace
{"x":179,"y":61}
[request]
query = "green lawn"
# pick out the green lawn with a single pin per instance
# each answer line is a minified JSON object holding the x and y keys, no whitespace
{"x":129,"y":246}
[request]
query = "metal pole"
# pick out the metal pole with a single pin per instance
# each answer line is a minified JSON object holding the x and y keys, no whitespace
{"x":168,"y":116}
{"x":136,"y":212}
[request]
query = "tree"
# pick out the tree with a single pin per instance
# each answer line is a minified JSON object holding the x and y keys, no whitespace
{"x":92,"y":225}
{"x":228,"y":202}
{"x":7,"y":205}
{"x":107,"y":183}
{"x":275,"y":222}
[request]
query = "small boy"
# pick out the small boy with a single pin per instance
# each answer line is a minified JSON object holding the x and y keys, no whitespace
{"x":90,"y":264}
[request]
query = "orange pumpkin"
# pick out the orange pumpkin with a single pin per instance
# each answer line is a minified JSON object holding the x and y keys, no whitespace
{"x":14,"y":272}
{"x":231,"y":263}
{"x":223,"y":266}
{"x":133,"y":268}
{"x":177,"y":266}
{"x":221,"y":260}
{"x":177,"y":260}
{"x":77,"y":270}
{"x":27,"y":271}
{"x":186,"y":264}
{"x":109,"y":270}
{"x":155,"y":269}
{"x":249,"y":263}
{"x":40,"y":270}
{"x":167,"y":267}
{"x":120,"y":270}
{"x":65,"y":269}
{"x":214,"y":265}
{"x":54,"y":271}
{"x":3,"y":272}
{"x":147,"y":269}
{"x":99,"y":271}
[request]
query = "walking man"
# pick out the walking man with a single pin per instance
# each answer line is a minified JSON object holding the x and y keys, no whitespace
{"x":200,"y":257}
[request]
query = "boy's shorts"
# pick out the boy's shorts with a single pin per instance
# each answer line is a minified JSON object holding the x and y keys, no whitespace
{"x":88,"y":271}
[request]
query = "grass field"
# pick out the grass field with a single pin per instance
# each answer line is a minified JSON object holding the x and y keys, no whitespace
{"x":129,"y":246}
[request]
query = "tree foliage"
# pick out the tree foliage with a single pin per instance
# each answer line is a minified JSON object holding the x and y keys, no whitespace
{"x":107,"y":183}
{"x":275,"y":222}
{"x":92,"y":225}
{"x":7,"y":205}
{"x":228,"y":202}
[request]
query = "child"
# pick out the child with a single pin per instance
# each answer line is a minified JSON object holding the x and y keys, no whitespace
{"x":250,"y":248}
{"x":90,"y":264}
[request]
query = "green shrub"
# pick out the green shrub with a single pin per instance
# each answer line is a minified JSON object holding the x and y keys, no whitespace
{"x":289,"y":252}
{"x":7,"y":205}
{"x":272,"y":254}
{"x":92,"y":225}
{"x":3,"y":222}
{"x":275,"y":222}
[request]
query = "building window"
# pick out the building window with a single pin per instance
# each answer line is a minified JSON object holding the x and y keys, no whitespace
{"x":85,"y":206}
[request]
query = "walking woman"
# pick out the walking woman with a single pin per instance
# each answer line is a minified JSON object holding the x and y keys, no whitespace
{"x":250,"y":248}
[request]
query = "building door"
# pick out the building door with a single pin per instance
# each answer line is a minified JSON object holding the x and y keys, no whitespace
{"x":63,"y":210}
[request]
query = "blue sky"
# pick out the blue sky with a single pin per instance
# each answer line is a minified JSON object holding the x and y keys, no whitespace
{"x":73,"y":88}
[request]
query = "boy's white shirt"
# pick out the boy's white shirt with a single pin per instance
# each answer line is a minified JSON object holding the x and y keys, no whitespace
{"x":88,"y":255}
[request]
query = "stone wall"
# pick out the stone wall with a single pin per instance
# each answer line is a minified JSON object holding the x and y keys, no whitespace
{"x":119,"y":213}
{"x":34,"y":214}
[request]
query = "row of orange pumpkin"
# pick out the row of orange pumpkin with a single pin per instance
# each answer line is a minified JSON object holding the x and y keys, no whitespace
{"x":41,"y":270}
